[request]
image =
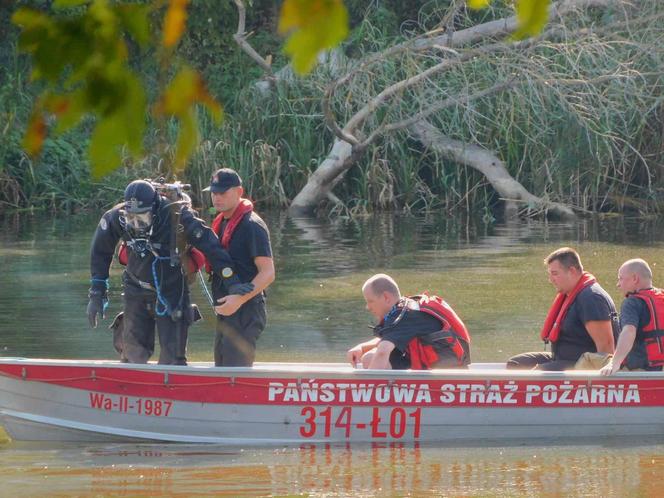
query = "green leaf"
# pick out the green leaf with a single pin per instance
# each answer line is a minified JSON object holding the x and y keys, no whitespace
{"x":532,"y":16}
{"x":134,"y":111}
{"x":65,"y":4}
{"x":187,"y":139}
{"x":106,"y":145}
{"x":124,"y":127}
{"x":313,"y":26}
{"x":35,"y":27}
{"x":134,"y":19}
{"x":478,"y":4}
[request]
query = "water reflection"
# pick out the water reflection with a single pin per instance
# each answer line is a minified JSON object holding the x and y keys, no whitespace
{"x":346,"y":470}
{"x":492,"y":274}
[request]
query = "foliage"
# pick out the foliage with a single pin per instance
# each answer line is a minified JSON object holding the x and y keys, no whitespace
{"x":83,"y":59}
{"x":313,"y":26}
{"x":599,"y":149}
{"x":81,"y":52}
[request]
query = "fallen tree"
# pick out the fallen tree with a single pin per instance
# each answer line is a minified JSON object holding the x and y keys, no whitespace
{"x":409,"y":90}
{"x":347,"y":147}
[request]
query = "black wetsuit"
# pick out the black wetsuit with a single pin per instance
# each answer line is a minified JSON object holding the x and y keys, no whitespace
{"x":402,"y":324}
{"x":155,"y":288}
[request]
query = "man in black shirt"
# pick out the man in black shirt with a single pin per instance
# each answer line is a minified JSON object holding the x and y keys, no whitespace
{"x":240,"y":318}
{"x":155,"y":288}
{"x":582,"y":318}
{"x":635,"y":279}
{"x":402,"y":325}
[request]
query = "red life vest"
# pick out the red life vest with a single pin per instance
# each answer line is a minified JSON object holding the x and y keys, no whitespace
{"x":195,"y":261}
{"x":245,"y":206}
{"x":654,"y":330}
{"x":560,"y":306}
{"x":422,"y":353}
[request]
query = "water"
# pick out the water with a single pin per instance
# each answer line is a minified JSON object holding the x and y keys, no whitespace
{"x":492,"y":275}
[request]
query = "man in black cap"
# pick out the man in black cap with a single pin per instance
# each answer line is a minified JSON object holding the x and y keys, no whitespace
{"x":240,"y":318}
{"x":155,"y":231}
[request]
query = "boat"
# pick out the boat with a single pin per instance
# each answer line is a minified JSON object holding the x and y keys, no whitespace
{"x":296,"y":403}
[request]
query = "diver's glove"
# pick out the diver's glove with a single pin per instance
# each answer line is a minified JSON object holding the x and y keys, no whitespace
{"x":97,"y":304}
{"x":235,"y":286}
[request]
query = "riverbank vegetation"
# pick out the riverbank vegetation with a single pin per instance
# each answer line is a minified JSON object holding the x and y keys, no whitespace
{"x":427,"y":105}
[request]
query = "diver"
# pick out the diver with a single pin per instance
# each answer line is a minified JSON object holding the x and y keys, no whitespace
{"x":161,"y":241}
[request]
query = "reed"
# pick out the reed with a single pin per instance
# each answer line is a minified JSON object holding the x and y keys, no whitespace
{"x":564,"y":130}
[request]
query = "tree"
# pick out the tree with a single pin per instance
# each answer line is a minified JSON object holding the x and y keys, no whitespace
{"x":448,"y":52}
{"x":81,"y":53}
{"x":411,"y":90}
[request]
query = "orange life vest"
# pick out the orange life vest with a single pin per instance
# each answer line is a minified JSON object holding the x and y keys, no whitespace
{"x":421,"y":350}
{"x":654,"y":330}
{"x":560,"y":306}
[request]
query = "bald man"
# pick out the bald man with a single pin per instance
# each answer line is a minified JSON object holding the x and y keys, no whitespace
{"x":418,"y":332}
{"x":641,"y":342}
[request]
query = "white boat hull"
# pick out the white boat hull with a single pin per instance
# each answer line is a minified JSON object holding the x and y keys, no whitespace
{"x":57,"y":400}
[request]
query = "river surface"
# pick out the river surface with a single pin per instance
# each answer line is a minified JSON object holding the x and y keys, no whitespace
{"x":492,"y":275}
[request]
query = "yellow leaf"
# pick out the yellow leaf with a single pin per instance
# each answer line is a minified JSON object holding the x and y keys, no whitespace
{"x":312,"y":26}
{"x":35,"y":134}
{"x":174,"y":22}
{"x":478,"y":4}
{"x":532,"y":16}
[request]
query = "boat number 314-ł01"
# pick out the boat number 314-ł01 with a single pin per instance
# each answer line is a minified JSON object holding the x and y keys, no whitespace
{"x":394,"y":423}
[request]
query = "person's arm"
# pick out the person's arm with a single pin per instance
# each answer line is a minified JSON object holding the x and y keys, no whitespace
{"x":103,"y":245}
{"x":381,"y":358}
{"x":101,"y":254}
{"x":230,"y":304}
{"x":202,"y":237}
{"x":602,"y":334}
{"x":595,"y":310}
{"x":625,"y":344}
{"x":354,"y":354}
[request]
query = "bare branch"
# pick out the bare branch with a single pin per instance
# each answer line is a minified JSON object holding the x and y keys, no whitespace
{"x":487,"y":163}
{"x":240,"y":38}
{"x":449,"y":102}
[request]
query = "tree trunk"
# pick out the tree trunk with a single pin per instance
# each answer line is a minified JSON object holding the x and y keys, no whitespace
{"x":322,"y":181}
{"x":487,"y":163}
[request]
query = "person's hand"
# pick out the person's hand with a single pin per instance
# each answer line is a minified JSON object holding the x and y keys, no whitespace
{"x":354,"y":355}
{"x":96,"y":306}
{"x":228,"y":305}
{"x":610,"y":368}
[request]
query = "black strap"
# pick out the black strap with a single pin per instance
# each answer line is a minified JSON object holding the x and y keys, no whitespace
{"x":143,"y":285}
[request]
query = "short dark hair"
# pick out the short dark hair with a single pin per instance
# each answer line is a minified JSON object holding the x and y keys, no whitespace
{"x":566,"y":256}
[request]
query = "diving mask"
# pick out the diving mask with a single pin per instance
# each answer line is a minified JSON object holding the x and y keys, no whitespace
{"x":138,"y":222}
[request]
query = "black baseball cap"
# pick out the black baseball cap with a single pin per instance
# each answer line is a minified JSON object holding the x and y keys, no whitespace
{"x":222,"y":180}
